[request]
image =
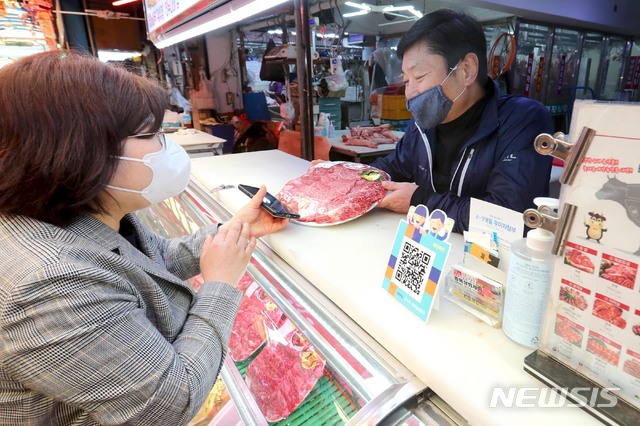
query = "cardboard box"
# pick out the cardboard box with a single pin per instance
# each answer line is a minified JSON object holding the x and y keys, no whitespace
{"x":394,"y":107}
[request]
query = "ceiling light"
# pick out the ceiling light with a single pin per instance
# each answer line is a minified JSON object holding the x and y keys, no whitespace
{"x":396,"y":8}
{"x":410,"y":13}
{"x":223,"y":18}
{"x":358,"y":6}
{"x":358,"y":13}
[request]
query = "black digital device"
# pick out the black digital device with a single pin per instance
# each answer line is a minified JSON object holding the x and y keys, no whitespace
{"x":269,"y":203}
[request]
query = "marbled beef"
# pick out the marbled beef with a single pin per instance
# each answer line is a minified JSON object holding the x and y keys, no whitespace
{"x":283,"y":374}
{"x":333,"y":192}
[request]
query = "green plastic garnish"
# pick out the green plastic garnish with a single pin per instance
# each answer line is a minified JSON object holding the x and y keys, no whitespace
{"x":371,"y":175}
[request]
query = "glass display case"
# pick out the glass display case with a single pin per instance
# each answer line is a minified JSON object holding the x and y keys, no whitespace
{"x":361,"y":383}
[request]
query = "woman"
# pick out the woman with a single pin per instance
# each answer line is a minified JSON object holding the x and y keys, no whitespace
{"x":97,"y":325}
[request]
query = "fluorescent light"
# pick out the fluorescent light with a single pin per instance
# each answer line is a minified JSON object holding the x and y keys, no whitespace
{"x":329,"y":35}
{"x":221,"y":20}
{"x":416,"y":12}
{"x":358,"y":6}
{"x":121,"y":2}
{"x":358,"y":13}
{"x":278,"y":31}
{"x":396,"y":8}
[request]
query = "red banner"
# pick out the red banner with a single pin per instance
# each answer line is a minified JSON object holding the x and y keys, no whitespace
{"x":539,"y":76}
{"x":527,"y":87}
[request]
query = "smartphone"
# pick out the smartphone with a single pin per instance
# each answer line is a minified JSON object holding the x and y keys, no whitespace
{"x":269,"y":203}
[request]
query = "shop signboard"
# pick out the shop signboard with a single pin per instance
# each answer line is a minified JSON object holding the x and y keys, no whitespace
{"x":163,"y":15}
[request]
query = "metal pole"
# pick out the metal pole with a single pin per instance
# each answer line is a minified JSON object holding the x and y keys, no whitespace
{"x":303,"y":65}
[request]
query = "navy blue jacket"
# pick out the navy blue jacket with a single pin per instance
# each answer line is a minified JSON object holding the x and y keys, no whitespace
{"x":497,"y":164}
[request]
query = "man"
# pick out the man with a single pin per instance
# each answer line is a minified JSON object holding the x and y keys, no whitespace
{"x":466,"y":140}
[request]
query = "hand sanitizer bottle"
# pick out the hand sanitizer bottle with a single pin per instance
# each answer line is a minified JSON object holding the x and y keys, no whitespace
{"x":528,"y":281}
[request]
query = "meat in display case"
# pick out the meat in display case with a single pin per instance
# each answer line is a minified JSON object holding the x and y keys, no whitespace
{"x":295,"y":358}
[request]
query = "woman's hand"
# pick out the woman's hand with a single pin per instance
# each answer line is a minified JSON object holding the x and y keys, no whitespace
{"x":225,"y":256}
{"x":260,"y":221}
{"x":399,"y":200}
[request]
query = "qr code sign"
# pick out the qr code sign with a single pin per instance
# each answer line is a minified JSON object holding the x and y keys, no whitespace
{"x":412,"y":268}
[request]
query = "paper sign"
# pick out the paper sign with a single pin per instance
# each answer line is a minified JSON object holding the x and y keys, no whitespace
{"x":491,"y":217}
{"x":507,"y":223}
{"x":415,"y":268}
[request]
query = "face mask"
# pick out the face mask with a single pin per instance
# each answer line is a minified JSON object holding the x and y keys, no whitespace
{"x":431,"y":107}
{"x":171,"y":169}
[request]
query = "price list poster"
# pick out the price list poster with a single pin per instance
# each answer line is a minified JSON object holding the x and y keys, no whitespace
{"x":592,"y":321}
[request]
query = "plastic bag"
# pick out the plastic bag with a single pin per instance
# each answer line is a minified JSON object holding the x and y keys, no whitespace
{"x":284,"y":372}
{"x":178,"y":99}
{"x":256,"y":314}
{"x":204,"y":97}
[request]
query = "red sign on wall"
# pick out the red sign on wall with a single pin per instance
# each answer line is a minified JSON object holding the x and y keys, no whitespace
{"x":539,"y":76}
{"x":633,"y":73}
{"x":527,"y":87}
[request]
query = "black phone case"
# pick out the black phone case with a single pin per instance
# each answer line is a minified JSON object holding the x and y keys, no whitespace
{"x":275,"y":208}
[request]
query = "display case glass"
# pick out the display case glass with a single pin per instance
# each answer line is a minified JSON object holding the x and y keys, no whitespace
{"x":360,"y":382}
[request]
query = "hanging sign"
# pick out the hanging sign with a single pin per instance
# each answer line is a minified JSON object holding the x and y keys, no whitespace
{"x":563,"y":61}
{"x":631,"y":79}
{"x":539,"y":76}
{"x":417,"y":259}
{"x":527,"y":87}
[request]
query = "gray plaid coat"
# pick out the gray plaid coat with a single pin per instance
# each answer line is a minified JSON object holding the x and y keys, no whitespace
{"x":94,"y":331}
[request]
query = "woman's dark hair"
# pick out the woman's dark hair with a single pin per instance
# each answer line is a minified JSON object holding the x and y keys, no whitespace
{"x":450,"y":34}
{"x":65,"y":117}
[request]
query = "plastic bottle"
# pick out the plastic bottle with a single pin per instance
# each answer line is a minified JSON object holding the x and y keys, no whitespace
{"x":321,"y":125}
{"x":528,"y":281}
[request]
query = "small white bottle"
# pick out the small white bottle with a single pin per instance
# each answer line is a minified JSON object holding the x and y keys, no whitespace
{"x":528,"y":281}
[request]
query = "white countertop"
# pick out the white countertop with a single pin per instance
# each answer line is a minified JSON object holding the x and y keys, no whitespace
{"x":194,"y":137}
{"x":455,"y":354}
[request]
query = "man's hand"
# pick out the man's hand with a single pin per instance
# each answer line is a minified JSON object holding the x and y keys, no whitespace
{"x":399,"y":199}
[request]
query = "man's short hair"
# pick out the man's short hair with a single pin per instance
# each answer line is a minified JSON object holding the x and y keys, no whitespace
{"x":451,"y":34}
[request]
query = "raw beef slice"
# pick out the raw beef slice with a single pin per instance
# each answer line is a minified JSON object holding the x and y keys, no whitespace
{"x":333,"y":192}
{"x":281,"y":377}
{"x":579,"y":260}
{"x":256,"y":313}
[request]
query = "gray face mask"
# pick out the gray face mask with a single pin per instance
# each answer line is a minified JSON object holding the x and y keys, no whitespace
{"x":431,"y":107}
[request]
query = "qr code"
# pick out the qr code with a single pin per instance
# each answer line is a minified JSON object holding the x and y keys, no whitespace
{"x":412,"y":267}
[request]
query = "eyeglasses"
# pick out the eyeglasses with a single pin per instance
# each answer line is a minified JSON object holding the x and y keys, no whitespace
{"x":159,"y":133}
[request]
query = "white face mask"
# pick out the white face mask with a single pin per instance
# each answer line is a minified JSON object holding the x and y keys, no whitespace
{"x":171,"y":169}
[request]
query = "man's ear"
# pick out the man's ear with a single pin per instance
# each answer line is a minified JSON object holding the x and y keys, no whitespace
{"x":469,"y":67}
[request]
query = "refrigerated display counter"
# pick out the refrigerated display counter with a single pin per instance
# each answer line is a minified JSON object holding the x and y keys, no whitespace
{"x":383,"y":365}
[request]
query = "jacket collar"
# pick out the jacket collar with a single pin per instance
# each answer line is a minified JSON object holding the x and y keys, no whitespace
{"x":88,"y":227}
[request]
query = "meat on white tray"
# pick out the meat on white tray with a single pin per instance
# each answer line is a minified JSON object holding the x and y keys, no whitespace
{"x":370,"y":136}
{"x":334,"y":192}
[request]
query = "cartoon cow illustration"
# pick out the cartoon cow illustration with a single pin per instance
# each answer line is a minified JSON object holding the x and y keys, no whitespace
{"x":625,"y":194}
{"x":595,"y":226}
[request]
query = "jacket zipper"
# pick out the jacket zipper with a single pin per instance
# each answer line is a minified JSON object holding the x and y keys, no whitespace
{"x":464,"y":170}
{"x":428,"y":148}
